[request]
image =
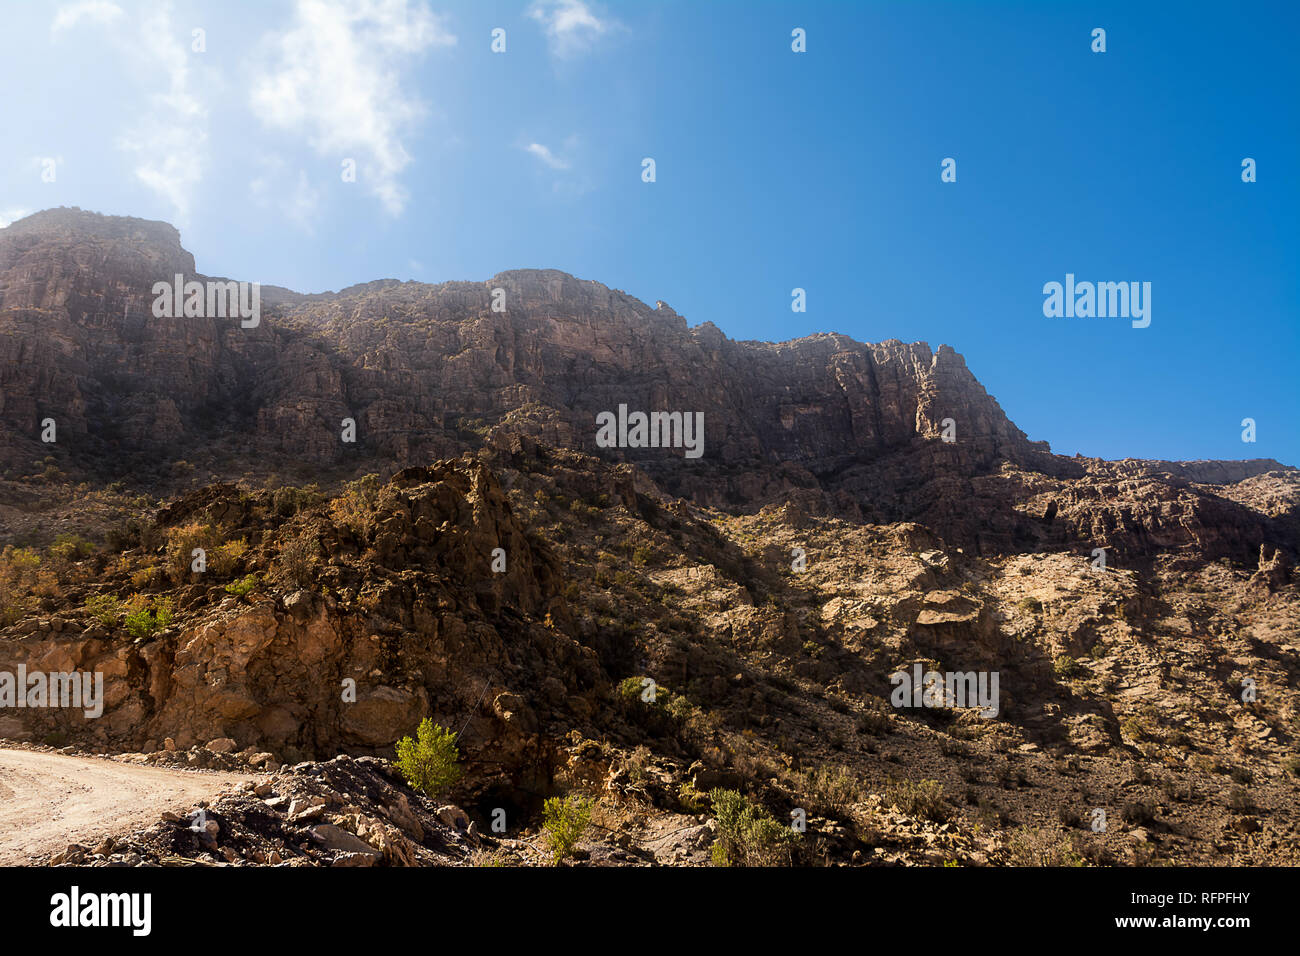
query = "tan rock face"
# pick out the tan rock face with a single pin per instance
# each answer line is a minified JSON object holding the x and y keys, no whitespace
{"x":408,"y":620}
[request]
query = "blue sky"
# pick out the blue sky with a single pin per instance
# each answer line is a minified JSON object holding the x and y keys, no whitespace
{"x":774,"y":170}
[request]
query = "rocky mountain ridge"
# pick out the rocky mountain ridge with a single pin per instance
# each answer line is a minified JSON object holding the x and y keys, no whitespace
{"x":475,"y":558}
{"x":427,"y":371}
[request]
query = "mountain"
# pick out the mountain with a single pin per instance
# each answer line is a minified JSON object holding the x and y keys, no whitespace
{"x":638,"y":624}
{"x":428,"y":371}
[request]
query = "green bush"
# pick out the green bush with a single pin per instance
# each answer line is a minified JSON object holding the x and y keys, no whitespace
{"x":564,"y":821}
{"x":429,"y":762}
{"x":243,"y":586}
{"x":104,"y":608}
{"x":20,"y":572}
{"x":747,"y":834}
{"x":142,"y":621}
{"x":631,"y":688}
{"x":1066,"y":666}
{"x":70,"y":547}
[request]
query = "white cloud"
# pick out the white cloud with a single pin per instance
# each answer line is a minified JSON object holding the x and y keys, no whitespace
{"x":335,"y":78}
{"x":270,"y":190}
{"x":563,"y":167}
{"x":572,"y":26}
{"x":92,"y":11}
{"x":546,"y":156}
{"x":169,"y":140}
{"x":12,"y":215}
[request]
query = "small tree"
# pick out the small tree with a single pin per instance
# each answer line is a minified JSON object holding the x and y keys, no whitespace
{"x":429,"y":762}
{"x":565,"y":820}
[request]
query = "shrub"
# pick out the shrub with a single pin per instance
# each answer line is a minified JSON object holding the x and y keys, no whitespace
{"x":69,"y":547}
{"x":692,"y":800}
{"x":876,"y":719}
{"x":288,"y":501}
{"x":679,"y":708}
{"x":143,"y":578}
{"x":1030,"y":605}
{"x":631,"y":688}
{"x":564,"y":821}
{"x":104,"y":608}
{"x":747,"y":834}
{"x":1038,"y":847}
{"x":1134,"y":728}
{"x":832,"y":788}
{"x":923,"y":799}
{"x":21,"y":581}
{"x":299,"y":558}
{"x":243,"y":586}
{"x":181,"y":542}
{"x":429,"y":762}
{"x":142,"y":620}
{"x":223,"y":558}
{"x":1066,"y":666}
{"x":18,"y":565}
{"x":355,"y":507}
{"x":124,"y":536}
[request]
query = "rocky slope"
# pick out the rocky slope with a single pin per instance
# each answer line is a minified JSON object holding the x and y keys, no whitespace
{"x":500,"y":573}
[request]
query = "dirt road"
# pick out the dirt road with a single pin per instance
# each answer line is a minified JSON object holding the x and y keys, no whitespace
{"x":50,"y":800}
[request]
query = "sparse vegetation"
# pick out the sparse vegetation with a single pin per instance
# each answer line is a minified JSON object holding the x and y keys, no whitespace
{"x":1032,"y":846}
{"x":104,"y":608}
{"x":564,"y":821}
{"x":243,"y":587}
{"x":1066,"y":667}
{"x":747,"y":834}
{"x":145,"y":616}
{"x":355,"y":507}
{"x":299,"y":557}
{"x":923,"y":799}
{"x":430,"y":761}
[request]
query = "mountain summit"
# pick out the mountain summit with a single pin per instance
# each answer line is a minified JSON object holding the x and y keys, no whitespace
{"x":875,"y":432}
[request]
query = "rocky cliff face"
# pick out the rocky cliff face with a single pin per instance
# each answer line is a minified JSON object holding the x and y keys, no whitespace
{"x":503,"y":575}
{"x":427,"y":371}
